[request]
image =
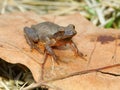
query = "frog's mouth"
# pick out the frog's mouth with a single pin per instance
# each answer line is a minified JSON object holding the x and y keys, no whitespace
{"x":69,"y":34}
{"x":67,"y":37}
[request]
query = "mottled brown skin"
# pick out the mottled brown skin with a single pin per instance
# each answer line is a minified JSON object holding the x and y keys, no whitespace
{"x":50,"y":35}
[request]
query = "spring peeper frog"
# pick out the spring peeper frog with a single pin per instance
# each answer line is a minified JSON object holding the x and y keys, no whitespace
{"x":51,"y":35}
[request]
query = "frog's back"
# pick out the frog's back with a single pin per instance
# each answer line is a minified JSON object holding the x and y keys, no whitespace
{"x":46,"y":28}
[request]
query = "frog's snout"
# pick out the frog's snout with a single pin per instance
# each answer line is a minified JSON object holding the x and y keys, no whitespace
{"x":70,"y":32}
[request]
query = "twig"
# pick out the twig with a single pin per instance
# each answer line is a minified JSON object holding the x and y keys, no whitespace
{"x":23,"y":85}
{"x":113,"y":74}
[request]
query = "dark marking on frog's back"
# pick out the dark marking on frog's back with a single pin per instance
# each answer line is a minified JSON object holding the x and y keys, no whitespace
{"x":105,"y":39}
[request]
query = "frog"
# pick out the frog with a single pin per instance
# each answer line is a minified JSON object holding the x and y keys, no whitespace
{"x":51,"y":35}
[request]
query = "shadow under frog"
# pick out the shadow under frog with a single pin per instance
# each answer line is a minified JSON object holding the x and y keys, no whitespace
{"x":51,"y":35}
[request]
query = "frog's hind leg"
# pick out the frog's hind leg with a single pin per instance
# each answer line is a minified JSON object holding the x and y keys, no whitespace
{"x":43,"y":64}
{"x":31,"y":36}
{"x":29,"y":42}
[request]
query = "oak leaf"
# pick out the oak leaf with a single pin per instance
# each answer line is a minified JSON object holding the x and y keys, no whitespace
{"x":101,"y":47}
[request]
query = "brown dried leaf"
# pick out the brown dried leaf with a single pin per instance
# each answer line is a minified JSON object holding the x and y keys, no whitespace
{"x":100,"y":45}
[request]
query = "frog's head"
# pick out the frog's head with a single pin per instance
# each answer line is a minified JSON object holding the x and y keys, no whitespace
{"x":65,"y":32}
{"x":69,"y":31}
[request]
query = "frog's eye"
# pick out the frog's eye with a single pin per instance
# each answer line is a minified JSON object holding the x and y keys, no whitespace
{"x":71,"y":26}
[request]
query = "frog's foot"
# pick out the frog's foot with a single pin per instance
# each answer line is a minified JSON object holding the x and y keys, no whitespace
{"x":56,"y":59}
{"x":76,"y":50}
{"x":81,"y":55}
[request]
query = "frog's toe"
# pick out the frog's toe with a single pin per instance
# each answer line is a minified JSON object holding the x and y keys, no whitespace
{"x":56,"y":59}
{"x":81,"y":55}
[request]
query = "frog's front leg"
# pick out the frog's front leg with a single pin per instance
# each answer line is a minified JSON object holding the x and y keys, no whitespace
{"x":76,"y":51}
{"x":50,"y":51}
